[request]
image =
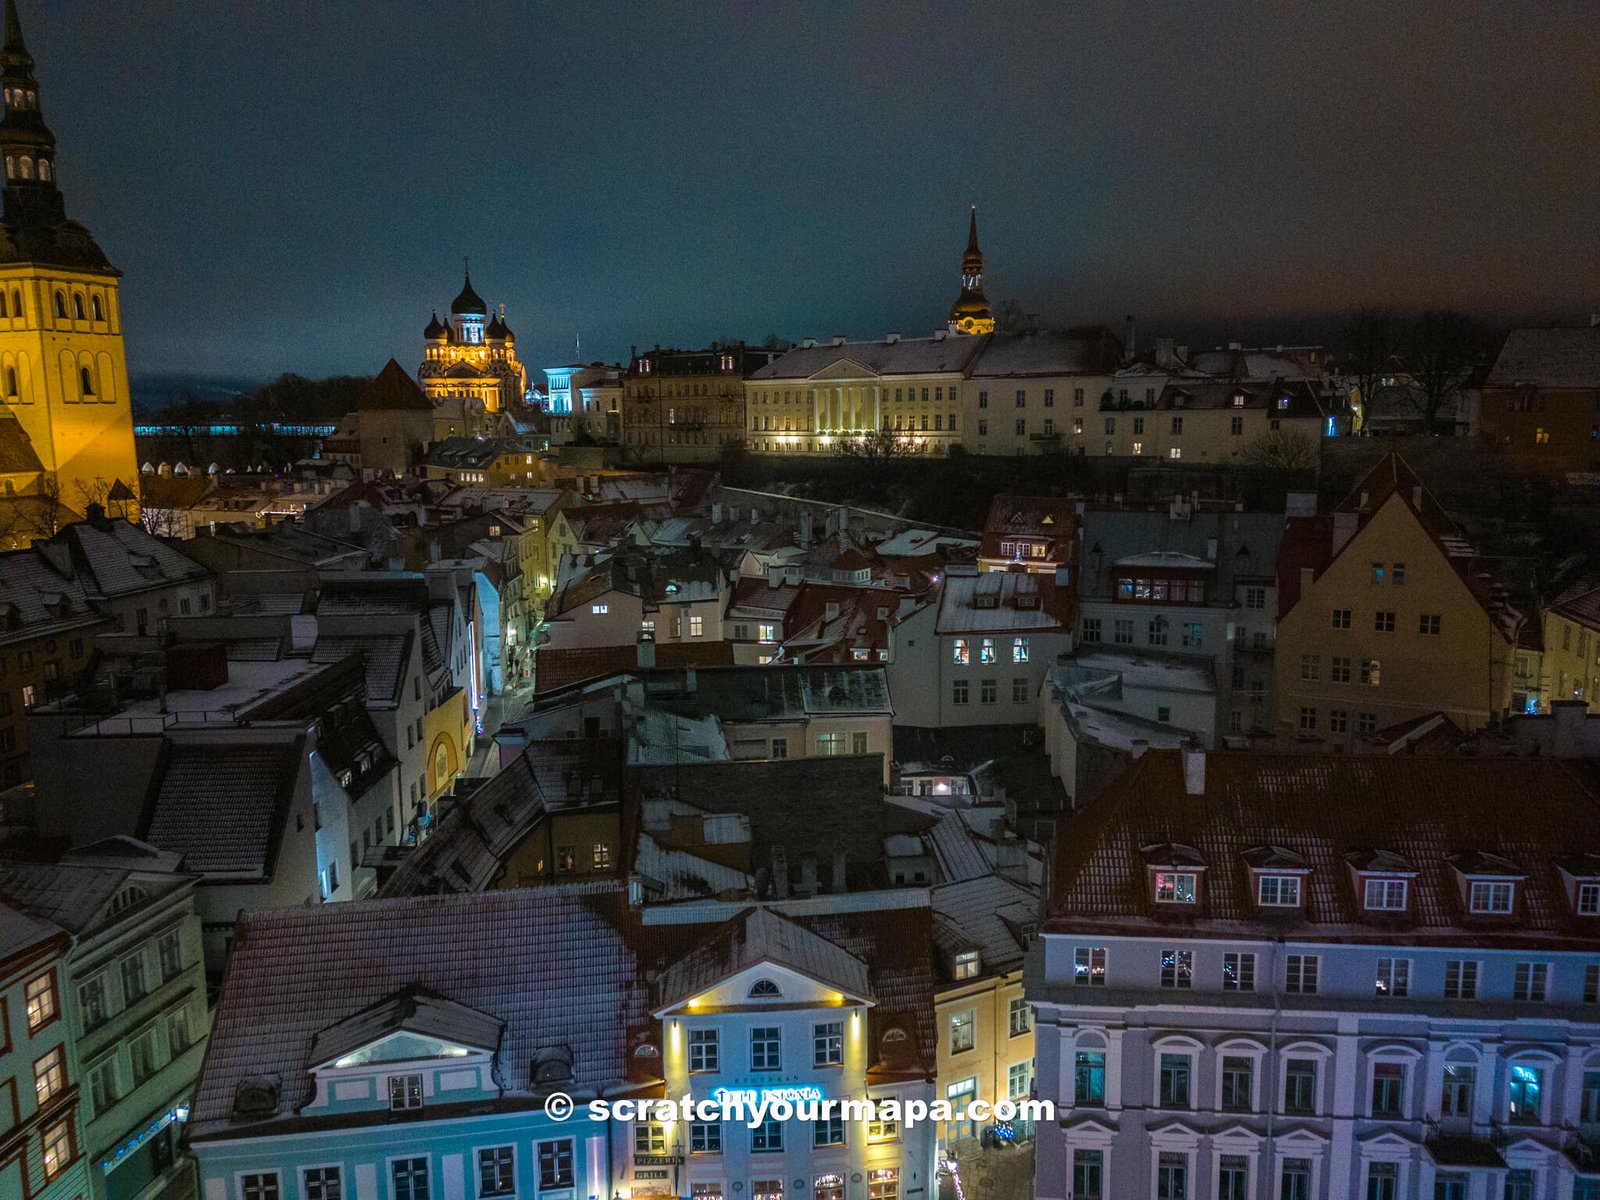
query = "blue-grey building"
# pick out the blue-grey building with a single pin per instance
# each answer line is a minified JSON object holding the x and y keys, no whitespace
{"x":1307,"y":977}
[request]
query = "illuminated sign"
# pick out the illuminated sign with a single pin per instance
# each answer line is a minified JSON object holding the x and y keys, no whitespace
{"x":795,"y":1093}
{"x":658,"y":1160}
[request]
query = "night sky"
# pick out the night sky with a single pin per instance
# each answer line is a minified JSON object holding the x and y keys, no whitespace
{"x":291,"y":187}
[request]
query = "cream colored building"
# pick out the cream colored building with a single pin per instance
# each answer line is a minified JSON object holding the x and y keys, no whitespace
{"x":817,"y":396}
{"x":1571,"y":666}
{"x":1385,"y":616}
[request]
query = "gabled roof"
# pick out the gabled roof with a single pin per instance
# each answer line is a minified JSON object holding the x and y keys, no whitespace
{"x":756,"y":936}
{"x":413,"y":1009}
{"x":222,"y":805}
{"x":906,"y":356}
{"x":393,"y":390}
{"x":1548,"y":358}
{"x":555,"y":964}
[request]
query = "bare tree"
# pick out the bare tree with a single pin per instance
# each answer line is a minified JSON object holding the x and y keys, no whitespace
{"x":875,"y":449}
{"x":1281,"y":450}
{"x":1371,"y":340}
{"x":1442,"y":347}
{"x":1009,"y":317}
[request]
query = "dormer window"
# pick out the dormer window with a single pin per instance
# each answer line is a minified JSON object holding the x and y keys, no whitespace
{"x":1586,"y":902}
{"x":967,"y":965}
{"x":1491,"y":896}
{"x":1176,"y":887}
{"x":1278,"y":891}
{"x":1384,"y":895}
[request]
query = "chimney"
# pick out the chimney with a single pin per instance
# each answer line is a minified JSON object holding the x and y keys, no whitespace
{"x":830,"y":611}
{"x":1211,"y":548}
{"x":838,"y":339}
{"x":780,"y":873}
{"x":890,"y":339}
{"x":1344,"y":528}
{"x":1568,"y":717}
{"x":1127,"y":338}
{"x":808,"y":343}
{"x":716,"y":514}
{"x":841,"y":882}
{"x":808,"y":876}
{"x":1011,"y":858}
{"x":434,"y":553}
{"x":807,"y":526}
{"x":1194,"y":769}
{"x":645,"y":648}
{"x":1137,"y":748}
{"x":690,"y":683}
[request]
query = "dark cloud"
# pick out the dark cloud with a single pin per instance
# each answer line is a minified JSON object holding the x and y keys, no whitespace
{"x":292,"y":186}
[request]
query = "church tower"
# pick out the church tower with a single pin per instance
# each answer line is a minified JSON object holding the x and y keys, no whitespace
{"x":63,"y":375}
{"x":970,"y":313}
{"x":469,"y":366}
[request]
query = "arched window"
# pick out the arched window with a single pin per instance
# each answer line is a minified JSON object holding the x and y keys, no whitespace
{"x":88,"y":382}
{"x":27,"y":167}
{"x":99,"y":309}
{"x":44,"y":168}
{"x":3,"y":304}
{"x":11,"y":381}
{"x":77,"y":306}
{"x":764,"y":989}
{"x":16,"y":303}
{"x":61,"y":305}
{"x":11,"y":167}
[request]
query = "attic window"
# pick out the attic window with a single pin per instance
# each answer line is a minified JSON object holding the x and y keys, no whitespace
{"x":1491,"y":896}
{"x":126,"y":899}
{"x":764,"y":989}
{"x":1586,"y":901}
{"x":1176,"y":887}
{"x":1238,"y":399}
{"x":1385,"y":895}
{"x":1278,"y":891}
{"x":968,"y":964}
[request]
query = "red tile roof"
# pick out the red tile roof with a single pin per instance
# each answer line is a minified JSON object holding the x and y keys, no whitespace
{"x":1324,"y":808}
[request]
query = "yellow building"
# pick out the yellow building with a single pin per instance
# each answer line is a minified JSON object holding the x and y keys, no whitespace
{"x":469,"y":366}
{"x":63,"y":375}
{"x":1386,"y":616}
{"x":1571,"y":665}
{"x":982,"y":928}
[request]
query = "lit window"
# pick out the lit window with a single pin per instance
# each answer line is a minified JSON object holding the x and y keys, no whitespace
{"x":1394,"y":977}
{"x":960,"y":653}
{"x":1019,"y":650}
{"x":1238,"y":972}
{"x":40,"y":996}
{"x":1177,"y":968}
{"x":1089,"y":966}
{"x":1175,"y":887}
{"x":967,"y":964}
{"x":405,"y":1092}
{"x":599,"y":609}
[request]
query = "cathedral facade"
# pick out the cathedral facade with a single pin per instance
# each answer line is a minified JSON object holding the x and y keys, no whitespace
{"x":469,"y":367}
{"x":66,"y":425}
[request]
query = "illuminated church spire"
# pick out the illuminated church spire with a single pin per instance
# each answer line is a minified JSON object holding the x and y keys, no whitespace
{"x":970,"y":313}
{"x":28,"y":146}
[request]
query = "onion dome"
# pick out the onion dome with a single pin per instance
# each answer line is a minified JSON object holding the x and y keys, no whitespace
{"x":468,"y":303}
{"x":497,"y":329}
{"x":435,"y":327}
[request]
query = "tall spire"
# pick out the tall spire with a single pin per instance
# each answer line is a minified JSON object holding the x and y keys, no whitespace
{"x":970,"y":313}
{"x":28,"y":146}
